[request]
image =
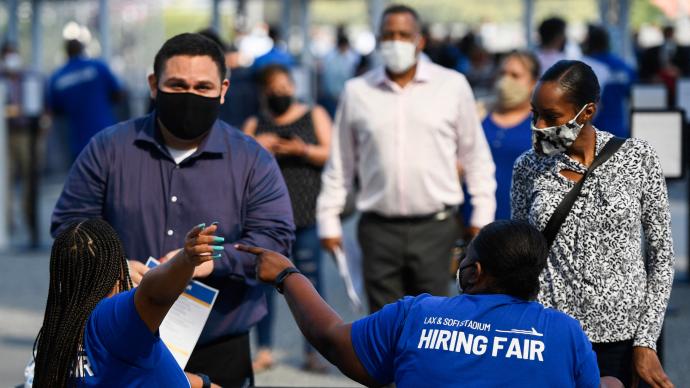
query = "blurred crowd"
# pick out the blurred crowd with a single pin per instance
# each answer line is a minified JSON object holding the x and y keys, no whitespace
{"x":266,"y":100}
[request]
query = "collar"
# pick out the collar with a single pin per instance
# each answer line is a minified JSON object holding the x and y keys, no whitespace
{"x":422,"y":73}
{"x":564,"y":160}
{"x":495,"y":298}
{"x":212,"y":144}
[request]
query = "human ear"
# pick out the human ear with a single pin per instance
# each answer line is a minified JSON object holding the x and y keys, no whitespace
{"x":421,"y":44}
{"x":224,"y":89}
{"x":589,"y":112}
{"x":153,"y":85}
{"x":475,"y":273}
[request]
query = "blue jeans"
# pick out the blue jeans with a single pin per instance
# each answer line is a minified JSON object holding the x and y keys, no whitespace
{"x":306,"y":254}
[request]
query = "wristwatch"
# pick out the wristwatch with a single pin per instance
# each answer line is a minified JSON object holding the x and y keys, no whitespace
{"x":205,"y":380}
{"x":282,"y":276}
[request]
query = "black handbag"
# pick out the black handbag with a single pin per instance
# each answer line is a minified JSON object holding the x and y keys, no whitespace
{"x":563,"y":209}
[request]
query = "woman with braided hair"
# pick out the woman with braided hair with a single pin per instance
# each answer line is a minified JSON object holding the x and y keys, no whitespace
{"x":100,"y":331}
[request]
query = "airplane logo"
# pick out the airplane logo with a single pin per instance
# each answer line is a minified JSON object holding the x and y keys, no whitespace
{"x":527,"y":332}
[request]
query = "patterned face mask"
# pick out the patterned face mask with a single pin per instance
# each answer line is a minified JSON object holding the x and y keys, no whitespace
{"x":555,"y":140}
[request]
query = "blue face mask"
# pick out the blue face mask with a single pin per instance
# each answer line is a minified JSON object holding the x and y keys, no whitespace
{"x":557,"y":139}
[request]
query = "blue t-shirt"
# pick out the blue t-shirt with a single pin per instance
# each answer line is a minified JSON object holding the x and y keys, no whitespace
{"x":474,"y":341}
{"x":121,"y":351}
{"x":82,"y":90}
{"x":506,"y":145}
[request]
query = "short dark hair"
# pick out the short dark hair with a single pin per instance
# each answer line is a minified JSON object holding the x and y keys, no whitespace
{"x":274,"y":33}
{"x":550,"y":29}
{"x":270,"y":71}
{"x":73,"y":47}
{"x":400,"y":8}
{"x":192,"y":44}
{"x":597,"y":40}
{"x":8,"y":47}
{"x":577,"y":79}
{"x":513,"y":254}
{"x":213,"y":35}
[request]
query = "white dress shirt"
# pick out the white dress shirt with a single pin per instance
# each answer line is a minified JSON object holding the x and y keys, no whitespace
{"x":404,"y":145}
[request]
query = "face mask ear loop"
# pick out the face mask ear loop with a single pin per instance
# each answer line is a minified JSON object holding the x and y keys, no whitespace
{"x":574,"y":120}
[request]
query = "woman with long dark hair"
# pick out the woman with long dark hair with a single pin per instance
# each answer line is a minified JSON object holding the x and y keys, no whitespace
{"x":97,"y":328}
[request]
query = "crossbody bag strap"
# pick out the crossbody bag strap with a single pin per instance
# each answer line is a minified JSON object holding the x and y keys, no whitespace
{"x":563,"y":209}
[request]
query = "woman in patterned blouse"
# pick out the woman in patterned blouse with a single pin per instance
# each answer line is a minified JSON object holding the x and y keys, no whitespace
{"x":597,"y":271}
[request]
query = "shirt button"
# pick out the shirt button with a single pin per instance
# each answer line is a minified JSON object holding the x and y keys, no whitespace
{"x":173,"y":198}
{"x":170,"y":232}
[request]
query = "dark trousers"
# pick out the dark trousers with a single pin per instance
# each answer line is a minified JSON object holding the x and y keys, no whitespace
{"x":24,"y":164}
{"x":615,"y":359}
{"x":405,"y":256}
{"x":227,"y":361}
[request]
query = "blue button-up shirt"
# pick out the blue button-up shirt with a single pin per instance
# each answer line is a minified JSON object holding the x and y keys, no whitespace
{"x":127,"y":177}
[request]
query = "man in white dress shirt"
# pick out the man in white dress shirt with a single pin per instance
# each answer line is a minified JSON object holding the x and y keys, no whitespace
{"x":402,"y":130}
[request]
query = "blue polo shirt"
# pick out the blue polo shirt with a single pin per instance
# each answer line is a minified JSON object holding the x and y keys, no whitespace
{"x":121,"y":351}
{"x":127,"y":177}
{"x":82,"y":90}
{"x":474,"y":341}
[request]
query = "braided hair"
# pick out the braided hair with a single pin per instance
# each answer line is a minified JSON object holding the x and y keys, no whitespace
{"x":87,"y":263}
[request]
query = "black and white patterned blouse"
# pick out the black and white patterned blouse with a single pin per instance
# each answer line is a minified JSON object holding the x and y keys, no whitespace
{"x":596,"y":271}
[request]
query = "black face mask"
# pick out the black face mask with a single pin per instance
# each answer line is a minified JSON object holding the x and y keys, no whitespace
{"x":186,"y":115}
{"x":278,"y":104}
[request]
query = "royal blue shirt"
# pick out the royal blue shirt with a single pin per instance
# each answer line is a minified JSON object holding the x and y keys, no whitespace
{"x":474,"y":341}
{"x":121,"y":351}
{"x":83,"y":91}
{"x":612,"y":114}
{"x":127,"y":177}
{"x":506,"y":145}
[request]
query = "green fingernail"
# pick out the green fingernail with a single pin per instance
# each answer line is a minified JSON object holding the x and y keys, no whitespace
{"x":218,"y":248}
{"x":215,"y":223}
{"x":218,"y":239}
{"x":202,"y":225}
{"x":218,"y":256}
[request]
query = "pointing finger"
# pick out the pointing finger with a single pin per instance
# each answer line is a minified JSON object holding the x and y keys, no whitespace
{"x":252,"y":250}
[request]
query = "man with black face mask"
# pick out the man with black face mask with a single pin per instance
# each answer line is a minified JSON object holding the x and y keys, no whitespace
{"x":152,"y":176}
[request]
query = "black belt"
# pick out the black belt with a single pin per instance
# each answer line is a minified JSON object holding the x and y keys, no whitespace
{"x":440,"y":215}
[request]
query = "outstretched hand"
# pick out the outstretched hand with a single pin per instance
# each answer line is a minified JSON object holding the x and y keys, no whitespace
{"x":198,"y":246}
{"x":268,"y":263}
{"x":162,"y":285}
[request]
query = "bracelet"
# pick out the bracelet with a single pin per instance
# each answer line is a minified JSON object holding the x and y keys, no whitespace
{"x":278,"y":283}
{"x":205,"y":380}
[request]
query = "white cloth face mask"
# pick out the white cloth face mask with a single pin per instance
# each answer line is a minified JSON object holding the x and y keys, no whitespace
{"x":398,"y":56}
